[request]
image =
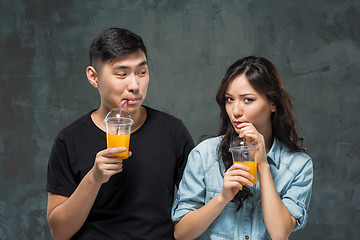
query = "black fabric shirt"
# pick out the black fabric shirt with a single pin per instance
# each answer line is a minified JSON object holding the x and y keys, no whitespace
{"x":133,"y":204}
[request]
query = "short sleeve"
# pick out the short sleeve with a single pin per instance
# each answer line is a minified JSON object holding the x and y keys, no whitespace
{"x":60,"y":179}
{"x":298,"y":195}
{"x":185,"y":144}
{"x":191,"y":193}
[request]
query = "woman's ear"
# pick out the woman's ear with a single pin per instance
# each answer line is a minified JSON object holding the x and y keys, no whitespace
{"x":273,"y":107}
{"x":92,"y":76}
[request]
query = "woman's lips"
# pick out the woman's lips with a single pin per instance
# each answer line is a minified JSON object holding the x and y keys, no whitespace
{"x":237,"y":123}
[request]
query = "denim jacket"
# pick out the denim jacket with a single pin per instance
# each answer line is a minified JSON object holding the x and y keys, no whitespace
{"x":202,"y":180}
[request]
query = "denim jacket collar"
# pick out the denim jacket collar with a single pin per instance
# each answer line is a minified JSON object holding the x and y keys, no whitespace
{"x":273,"y":156}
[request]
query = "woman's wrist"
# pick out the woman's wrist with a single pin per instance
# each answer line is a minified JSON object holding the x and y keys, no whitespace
{"x":221,"y":200}
{"x":263,"y":166}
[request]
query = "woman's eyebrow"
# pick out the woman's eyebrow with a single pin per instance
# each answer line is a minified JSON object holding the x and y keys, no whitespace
{"x":242,"y":95}
{"x":247,"y":94}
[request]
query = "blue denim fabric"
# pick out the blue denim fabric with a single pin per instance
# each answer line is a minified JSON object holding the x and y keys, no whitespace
{"x":202,"y":181}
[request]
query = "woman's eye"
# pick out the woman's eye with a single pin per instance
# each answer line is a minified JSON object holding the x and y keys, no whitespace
{"x":228,"y":99}
{"x":248,"y":100}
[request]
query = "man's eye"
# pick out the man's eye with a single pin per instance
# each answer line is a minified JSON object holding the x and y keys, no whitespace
{"x":121,"y":75}
{"x":142,"y":73}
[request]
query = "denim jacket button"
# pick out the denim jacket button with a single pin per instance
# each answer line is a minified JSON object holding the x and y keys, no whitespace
{"x":247,"y":237}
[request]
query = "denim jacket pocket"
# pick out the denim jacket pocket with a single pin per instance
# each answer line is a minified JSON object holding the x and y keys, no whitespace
{"x":224,"y":225}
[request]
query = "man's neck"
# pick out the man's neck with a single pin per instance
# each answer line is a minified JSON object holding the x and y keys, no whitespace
{"x":138,"y":117}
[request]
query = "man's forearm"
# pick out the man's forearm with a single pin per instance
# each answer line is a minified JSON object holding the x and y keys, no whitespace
{"x":65,"y":218}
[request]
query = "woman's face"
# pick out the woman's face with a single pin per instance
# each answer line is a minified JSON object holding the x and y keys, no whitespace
{"x":245,"y":104}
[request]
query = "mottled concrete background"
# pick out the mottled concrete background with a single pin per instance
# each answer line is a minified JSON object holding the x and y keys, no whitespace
{"x":315,"y":44}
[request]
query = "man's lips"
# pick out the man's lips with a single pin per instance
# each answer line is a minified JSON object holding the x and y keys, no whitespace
{"x":132,"y":100}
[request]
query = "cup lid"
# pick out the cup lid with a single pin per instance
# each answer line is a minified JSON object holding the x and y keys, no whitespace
{"x":238,"y":143}
{"x":115,"y":114}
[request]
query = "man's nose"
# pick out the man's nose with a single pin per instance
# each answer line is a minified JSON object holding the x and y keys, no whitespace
{"x":133,"y":85}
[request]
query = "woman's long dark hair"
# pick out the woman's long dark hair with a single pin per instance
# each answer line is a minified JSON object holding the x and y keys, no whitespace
{"x":264,"y":78}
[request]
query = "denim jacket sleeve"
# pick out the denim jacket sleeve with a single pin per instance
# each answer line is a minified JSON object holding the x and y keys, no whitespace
{"x":191,"y":193}
{"x":298,"y":195}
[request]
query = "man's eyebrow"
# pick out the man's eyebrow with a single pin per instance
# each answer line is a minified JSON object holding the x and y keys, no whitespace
{"x":142,"y":63}
{"x":118,"y":67}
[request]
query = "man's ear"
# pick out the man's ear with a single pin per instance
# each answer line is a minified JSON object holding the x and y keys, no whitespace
{"x":92,"y":76}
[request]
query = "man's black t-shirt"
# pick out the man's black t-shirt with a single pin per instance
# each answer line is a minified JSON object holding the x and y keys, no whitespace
{"x":133,"y":204}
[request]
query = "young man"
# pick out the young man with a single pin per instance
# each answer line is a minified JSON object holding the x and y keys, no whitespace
{"x":93,"y":195}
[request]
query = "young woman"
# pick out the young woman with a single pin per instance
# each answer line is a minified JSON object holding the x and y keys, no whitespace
{"x":213,"y":201}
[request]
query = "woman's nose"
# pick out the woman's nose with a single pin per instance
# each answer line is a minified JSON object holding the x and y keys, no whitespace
{"x":237,"y":112}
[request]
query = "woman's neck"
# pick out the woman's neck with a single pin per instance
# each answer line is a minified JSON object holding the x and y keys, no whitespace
{"x":268,"y":143}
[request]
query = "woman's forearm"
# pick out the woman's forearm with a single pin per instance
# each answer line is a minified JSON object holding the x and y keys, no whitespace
{"x":278,"y":221}
{"x":193,"y":224}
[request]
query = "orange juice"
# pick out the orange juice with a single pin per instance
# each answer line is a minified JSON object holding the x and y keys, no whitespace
{"x":252,"y":170}
{"x":121,"y":140}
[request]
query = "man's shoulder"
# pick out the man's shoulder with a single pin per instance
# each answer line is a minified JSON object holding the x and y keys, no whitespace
{"x":74,"y":126}
{"x":166,"y":123}
{"x":159,"y":113}
{"x":162,"y":116}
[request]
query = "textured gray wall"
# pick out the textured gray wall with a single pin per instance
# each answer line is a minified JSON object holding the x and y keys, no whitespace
{"x":315,"y":44}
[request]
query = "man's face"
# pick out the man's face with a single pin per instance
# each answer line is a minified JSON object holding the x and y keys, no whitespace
{"x":124,"y":79}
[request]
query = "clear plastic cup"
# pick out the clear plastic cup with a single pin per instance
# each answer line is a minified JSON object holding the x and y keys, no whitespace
{"x":245,"y":153}
{"x":118,"y":130}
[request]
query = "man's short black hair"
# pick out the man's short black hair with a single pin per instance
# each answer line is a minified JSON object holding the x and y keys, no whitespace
{"x":114,"y":43}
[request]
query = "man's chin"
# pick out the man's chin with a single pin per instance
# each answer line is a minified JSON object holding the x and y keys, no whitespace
{"x":132,"y":108}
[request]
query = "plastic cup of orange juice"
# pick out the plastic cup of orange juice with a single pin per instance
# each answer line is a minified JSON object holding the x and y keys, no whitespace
{"x":118,"y":130}
{"x":245,"y":153}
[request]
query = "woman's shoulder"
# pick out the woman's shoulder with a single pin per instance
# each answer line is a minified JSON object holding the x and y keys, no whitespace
{"x":294,"y":160}
{"x":207,"y":151}
{"x":209,"y":144}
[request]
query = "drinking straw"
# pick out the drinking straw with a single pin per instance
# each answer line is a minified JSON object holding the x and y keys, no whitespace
{"x":118,"y":126}
{"x":243,"y":152}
